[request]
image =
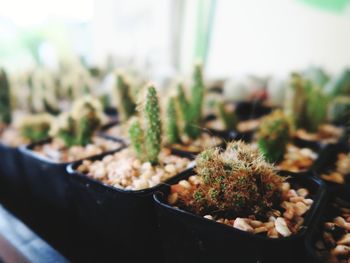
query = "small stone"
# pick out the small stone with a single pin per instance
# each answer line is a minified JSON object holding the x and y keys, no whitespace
{"x":185,"y":184}
{"x":302,"y":192}
{"x":172,"y":198}
{"x":241,"y":224}
{"x":170,"y":168}
{"x":281,"y":227}
{"x":208,"y":217}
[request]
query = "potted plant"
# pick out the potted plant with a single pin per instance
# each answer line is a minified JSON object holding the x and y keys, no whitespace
{"x":274,"y":140}
{"x":308,"y":105}
{"x":72,"y":138}
{"x":113,"y":192}
{"x":235,"y":205}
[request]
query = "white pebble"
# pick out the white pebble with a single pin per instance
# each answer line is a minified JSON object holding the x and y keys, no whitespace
{"x":241,"y":224}
{"x":281,"y":227}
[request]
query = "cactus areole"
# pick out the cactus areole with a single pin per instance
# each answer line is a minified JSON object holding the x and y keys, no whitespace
{"x":236,"y":182}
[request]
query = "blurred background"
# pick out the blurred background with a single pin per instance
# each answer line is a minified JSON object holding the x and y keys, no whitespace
{"x":232,"y":37}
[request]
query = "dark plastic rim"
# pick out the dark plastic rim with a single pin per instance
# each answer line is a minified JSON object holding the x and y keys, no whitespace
{"x":308,"y":219}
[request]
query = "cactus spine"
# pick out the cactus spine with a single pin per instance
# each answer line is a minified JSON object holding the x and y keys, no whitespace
{"x":172,"y":130}
{"x":146,"y":142}
{"x":5,"y":99}
{"x":236,"y":182}
{"x":273,"y":136}
{"x":126,"y":105}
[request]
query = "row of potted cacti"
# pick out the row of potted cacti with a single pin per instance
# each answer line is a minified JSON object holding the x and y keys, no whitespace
{"x":207,"y":212}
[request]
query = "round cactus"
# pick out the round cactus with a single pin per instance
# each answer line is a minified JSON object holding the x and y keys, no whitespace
{"x":36,"y":127}
{"x":236,"y":182}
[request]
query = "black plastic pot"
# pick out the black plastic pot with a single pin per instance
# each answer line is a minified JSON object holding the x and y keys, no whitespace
{"x":124,"y":221}
{"x":47,"y":180}
{"x":11,"y":172}
{"x":327,"y":159}
{"x":190,"y":238}
{"x":328,"y":214}
{"x":247,"y":110}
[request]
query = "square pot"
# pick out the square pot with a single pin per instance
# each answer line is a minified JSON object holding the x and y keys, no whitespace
{"x":47,"y":180}
{"x":187,"y":237}
{"x":124,"y":221}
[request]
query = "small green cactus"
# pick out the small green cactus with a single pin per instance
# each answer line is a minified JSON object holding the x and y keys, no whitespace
{"x":339,"y":110}
{"x":273,"y":136}
{"x":308,"y":104}
{"x":191,"y":109}
{"x":236,"y":182}
{"x":172,"y":129}
{"x":78,"y":126}
{"x":340,"y":85}
{"x":147,"y":141}
{"x":229,"y":118}
{"x":126,"y":104}
{"x":35,"y":127}
{"x":5,"y":99}
{"x":136,"y":138}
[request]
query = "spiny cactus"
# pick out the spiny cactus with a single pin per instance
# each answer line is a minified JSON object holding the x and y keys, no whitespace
{"x":191,"y":109}
{"x":126,"y":105}
{"x":36,"y":127}
{"x":340,"y":85}
{"x":339,"y":110}
{"x":273,"y":135}
{"x":236,"y":182}
{"x":229,"y":118}
{"x":172,"y":129}
{"x":147,"y":141}
{"x":78,"y":126}
{"x":5,"y":99}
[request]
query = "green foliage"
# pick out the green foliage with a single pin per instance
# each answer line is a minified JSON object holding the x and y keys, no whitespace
{"x":126,"y":105}
{"x":147,"y":142}
{"x":36,"y":127}
{"x":317,"y":75}
{"x":273,"y":136}
{"x":229,"y":118}
{"x":172,"y":129}
{"x":339,"y":110}
{"x":5,"y":99}
{"x":236,"y":182}
{"x":78,"y":126}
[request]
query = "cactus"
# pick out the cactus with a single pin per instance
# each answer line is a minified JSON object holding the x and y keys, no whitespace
{"x":273,"y":136}
{"x":152,"y":126}
{"x":236,"y":182}
{"x":317,"y":75}
{"x":340,"y":85}
{"x":191,"y":110}
{"x":172,"y":129}
{"x":35,"y":127}
{"x":78,"y":126}
{"x":5,"y":99}
{"x":126,"y":105}
{"x":339,"y":110}
{"x":136,"y":138}
{"x":147,"y":141}
{"x":229,"y":119}
{"x":308,"y":104}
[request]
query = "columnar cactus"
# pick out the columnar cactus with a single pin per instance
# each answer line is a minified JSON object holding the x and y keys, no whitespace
{"x":229,"y":119}
{"x":339,"y":110}
{"x":192,"y":109}
{"x":152,"y":125}
{"x":236,"y":182}
{"x":126,"y":105}
{"x":5,"y":99}
{"x":172,"y":129}
{"x":147,"y":141}
{"x":36,"y":127}
{"x":273,"y":135}
{"x":78,"y":126}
